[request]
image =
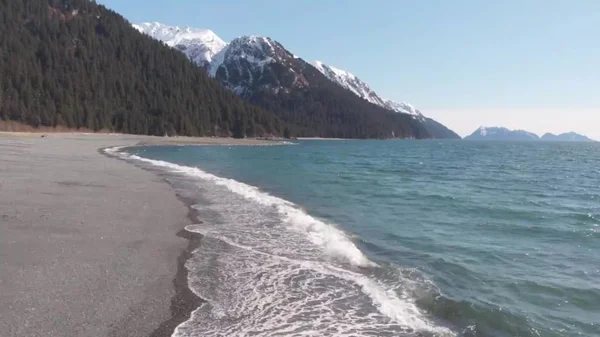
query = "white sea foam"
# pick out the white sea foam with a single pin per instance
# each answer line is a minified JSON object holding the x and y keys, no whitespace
{"x":279,"y":284}
{"x":333,"y":240}
{"x":403,"y":311}
{"x":115,"y":151}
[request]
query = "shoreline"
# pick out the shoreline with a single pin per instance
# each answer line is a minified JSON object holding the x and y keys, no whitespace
{"x":144,"y":140}
{"x":184,"y":301}
{"x":87,"y":236}
{"x":321,"y":138}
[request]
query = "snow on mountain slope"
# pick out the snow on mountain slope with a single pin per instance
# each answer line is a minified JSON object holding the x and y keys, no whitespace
{"x":250,"y":64}
{"x":200,"y":45}
{"x":358,"y":87}
{"x":242,"y":66}
{"x":206,"y":49}
{"x":253,"y":49}
{"x":349,"y":81}
{"x":403,"y":107}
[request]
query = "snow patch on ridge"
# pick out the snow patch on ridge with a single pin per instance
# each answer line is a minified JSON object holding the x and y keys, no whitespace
{"x":253,"y":49}
{"x":354,"y":84}
{"x":404,"y":107}
{"x":200,"y":45}
{"x":244,"y":63}
{"x":348,"y":81}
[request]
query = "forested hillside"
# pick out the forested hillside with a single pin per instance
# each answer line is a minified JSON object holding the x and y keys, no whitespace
{"x":327,"y":110}
{"x":74,"y":63}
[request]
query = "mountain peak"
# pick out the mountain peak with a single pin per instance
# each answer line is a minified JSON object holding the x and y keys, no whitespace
{"x":253,"y":39}
{"x":242,"y":65}
{"x":200,"y":45}
{"x":253,"y":44}
{"x":169,"y":34}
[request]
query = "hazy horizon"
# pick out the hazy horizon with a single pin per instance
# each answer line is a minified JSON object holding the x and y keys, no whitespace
{"x":510,"y":119}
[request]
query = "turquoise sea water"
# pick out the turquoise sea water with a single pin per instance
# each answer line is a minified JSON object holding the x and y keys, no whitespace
{"x":392,"y":238}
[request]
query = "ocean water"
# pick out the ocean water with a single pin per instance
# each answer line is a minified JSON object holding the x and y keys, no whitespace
{"x":391,"y":238}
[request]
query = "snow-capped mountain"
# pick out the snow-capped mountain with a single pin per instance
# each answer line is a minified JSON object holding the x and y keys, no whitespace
{"x":239,"y":65}
{"x":200,"y":45}
{"x":251,"y":63}
{"x":261,"y":70}
{"x":206,"y":49}
{"x":361,"y":89}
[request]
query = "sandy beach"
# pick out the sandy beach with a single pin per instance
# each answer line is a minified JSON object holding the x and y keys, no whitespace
{"x":90,"y":245}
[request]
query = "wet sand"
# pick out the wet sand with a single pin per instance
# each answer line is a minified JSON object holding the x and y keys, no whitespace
{"x":90,"y":245}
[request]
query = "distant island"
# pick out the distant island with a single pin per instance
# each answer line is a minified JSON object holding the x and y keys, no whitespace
{"x":566,"y":137}
{"x":500,"y":133}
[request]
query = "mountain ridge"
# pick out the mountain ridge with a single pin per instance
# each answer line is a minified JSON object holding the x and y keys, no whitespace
{"x":349,"y":81}
{"x":248,"y":55}
{"x":353,"y":83}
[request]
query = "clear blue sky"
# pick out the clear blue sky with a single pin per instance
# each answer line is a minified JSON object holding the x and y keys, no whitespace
{"x":531,"y":64}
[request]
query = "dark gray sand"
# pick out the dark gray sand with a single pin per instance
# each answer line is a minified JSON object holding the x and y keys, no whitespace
{"x":89,"y":245}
